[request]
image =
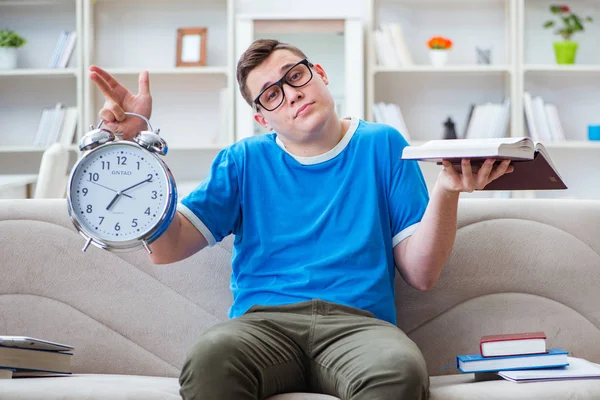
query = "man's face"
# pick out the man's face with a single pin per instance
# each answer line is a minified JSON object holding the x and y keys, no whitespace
{"x":304,"y":109}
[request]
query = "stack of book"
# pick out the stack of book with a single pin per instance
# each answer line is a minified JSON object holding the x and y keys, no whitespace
{"x":518,"y":351}
{"x":31,"y":357}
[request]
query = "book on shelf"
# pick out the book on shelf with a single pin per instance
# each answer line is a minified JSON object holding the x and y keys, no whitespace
{"x":63,"y":50}
{"x":57,"y":124}
{"x":533,"y":167}
{"x":542,"y":120}
{"x":390,"y":114}
{"x":469,"y":363}
{"x":578,"y":368}
{"x":488,"y":120}
{"x":510,"y":344}
{"x":391,"y":49}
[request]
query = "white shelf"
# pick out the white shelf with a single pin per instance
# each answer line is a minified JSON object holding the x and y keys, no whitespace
{"x":567,"y":69}
{"x":171,"y":71}
{"x":453,"y":69}
{"x":40,"y":71}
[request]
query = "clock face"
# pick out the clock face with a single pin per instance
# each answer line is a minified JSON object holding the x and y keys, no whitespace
{"x":119,"y":192}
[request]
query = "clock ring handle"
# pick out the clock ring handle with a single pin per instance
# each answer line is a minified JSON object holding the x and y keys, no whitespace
{"x":134,"y":115}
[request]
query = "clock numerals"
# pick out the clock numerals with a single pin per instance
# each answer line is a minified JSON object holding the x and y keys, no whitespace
{"x":94,"y":176}
{"x":138,"y":165}
{"x":89,"y":209}
{"x":106,"y":165}
{"x":134,"y":223}
{"x":84,"y":191}
{"x":117,"y":227}
{"x":149,"y":177}
{"x":122,"y":160}
{"x":147,"y":212}
{"x":101,"y":220}
{"x":154,"y":195}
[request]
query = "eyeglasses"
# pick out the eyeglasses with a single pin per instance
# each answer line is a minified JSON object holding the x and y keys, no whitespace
{"x":273,"y":95}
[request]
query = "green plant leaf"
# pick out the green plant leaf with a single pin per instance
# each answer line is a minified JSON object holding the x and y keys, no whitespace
{"x":555,"y":9}
{"x":9,"y":38}
{"x":548,"y":24}
{"x":577,"y":26}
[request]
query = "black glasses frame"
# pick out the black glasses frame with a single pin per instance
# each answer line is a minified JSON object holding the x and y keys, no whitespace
{"x":280,"y":84}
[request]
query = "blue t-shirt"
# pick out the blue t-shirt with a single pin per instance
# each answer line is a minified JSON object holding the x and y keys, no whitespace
{"x":320,"y":227}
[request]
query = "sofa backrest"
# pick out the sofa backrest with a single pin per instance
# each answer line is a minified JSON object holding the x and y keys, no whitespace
{"x":517,"y":265}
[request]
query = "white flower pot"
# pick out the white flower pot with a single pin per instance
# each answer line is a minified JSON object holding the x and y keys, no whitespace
{"x":438,"y":58}
{"x":8,"y":57}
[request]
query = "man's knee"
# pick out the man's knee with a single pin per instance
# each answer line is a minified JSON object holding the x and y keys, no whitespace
{"x":213,"y":359}
{"x":397,"y":374}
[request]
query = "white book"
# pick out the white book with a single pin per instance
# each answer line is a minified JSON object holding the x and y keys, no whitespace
{"x":62,"y":38}
{"x":541,"y":122}
{"x":69,"y":126}
{"x":554,"y":122}
{"x":529,"y":117}
{"x":68,"y":50}
{"x":578,"y":368}
{"x":400,"y":44}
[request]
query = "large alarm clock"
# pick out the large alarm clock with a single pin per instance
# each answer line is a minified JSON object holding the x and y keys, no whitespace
{"x":121,"y":195}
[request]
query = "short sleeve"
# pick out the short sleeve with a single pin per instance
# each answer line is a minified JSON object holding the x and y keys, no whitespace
{"x":214,"y":206}
{"x":408,"y":194}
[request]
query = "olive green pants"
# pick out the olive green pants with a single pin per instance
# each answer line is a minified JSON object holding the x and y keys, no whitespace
{"x":313,"y":346}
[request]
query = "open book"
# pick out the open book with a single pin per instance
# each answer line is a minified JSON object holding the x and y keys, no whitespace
{"x":533,"y":168}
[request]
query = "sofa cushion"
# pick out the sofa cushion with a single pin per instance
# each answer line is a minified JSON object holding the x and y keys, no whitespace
{"x":107,"y":387}
{"x":464,"y":387}
{"x":131,"y":387}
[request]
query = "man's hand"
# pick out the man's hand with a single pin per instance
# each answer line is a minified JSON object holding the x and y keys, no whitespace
{"x":120,"y":100}
{"x":452,"y":181}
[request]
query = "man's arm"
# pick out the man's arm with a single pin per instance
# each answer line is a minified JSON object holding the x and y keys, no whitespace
{"x":421,"y":257}
{"x":179,"y":241}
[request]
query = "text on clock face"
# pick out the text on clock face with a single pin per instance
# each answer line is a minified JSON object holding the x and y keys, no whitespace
{"x":119,"y":194}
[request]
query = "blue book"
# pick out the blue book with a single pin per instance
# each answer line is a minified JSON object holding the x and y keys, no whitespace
{"x":554,"y":358}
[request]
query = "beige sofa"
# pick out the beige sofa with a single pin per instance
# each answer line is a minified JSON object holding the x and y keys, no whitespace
{"x":517,"y":265}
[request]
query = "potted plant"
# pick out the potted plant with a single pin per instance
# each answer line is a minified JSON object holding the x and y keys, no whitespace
{"x":566,"y":49}
{"x":9,"y":42}
{"x":439,"y":47}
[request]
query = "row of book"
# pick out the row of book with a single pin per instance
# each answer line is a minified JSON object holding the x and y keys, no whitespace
{"x":390,"y":46}
{"x":543,"y":122}
{"x":31,"y":357}
{"x":524,"y":357}
{"x":490,"y":120}
{"x":63,"y":50}
{"x":57,"y":124}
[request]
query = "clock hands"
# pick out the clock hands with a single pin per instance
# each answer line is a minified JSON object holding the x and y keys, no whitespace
{"x":120,"y":192}
{"x":137,"y":184}
{"x":106,"y":187}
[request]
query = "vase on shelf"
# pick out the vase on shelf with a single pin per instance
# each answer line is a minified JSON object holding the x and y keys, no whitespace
{"x":438,"y":57}
{"x":8,"y":57}
{"x":565,"y":51}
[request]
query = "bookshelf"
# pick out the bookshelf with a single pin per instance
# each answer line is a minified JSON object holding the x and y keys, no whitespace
{"x":192,"y":105}
{"x":522,"y":60}
{"x":33,"y":86}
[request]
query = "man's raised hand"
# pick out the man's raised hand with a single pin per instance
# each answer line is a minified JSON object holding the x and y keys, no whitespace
{"x":120,"y":100}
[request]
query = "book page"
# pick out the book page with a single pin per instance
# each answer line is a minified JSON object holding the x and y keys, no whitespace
{"x":577,"y":368}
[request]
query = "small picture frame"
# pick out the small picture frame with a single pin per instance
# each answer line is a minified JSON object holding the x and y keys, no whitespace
{"x":191,"y":47}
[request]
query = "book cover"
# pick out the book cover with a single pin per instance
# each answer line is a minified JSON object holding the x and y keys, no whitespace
{"x":512,"y":344}
{"x":554,"y":358}
{"x":533,"y":168}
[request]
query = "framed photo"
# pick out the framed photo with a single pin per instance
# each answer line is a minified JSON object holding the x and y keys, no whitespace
{"x":191,"y":47}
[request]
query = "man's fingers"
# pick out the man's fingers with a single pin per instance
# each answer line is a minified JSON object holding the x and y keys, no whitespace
{"x":116,"y":110}
{"x":110,"y":87}
{"x":467,"y":171}
{"x":107,"y":115}
{"x":144,"y":83}
{"x":450,"y":169}
{"x":501,"y":170}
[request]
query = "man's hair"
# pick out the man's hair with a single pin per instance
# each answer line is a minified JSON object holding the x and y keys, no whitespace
{"x":258,"y":52}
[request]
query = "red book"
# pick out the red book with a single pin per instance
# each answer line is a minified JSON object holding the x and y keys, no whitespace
{"x":513,"y":344}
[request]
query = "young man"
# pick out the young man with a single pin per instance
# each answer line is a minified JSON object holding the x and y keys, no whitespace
{"x":323,"y":210}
